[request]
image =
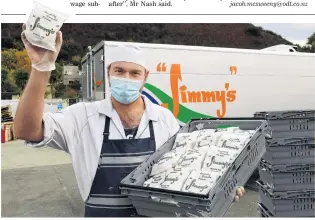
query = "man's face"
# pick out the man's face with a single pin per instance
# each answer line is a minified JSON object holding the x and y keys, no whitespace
{"x":128,"y":70}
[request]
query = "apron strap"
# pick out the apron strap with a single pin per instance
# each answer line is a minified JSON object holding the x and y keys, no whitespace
{"x":151,"y":130}
{"x":106,"y":129}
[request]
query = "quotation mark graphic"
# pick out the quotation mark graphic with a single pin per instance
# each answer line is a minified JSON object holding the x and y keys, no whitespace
{"x":233,"y":70}
{"x":160,"y":68}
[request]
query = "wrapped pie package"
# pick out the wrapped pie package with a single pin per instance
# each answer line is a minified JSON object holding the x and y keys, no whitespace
{"x":205,"y":134}
{"x":166,"y":162}
{"x":245,"y":132}
{"x":216,"y":137}
{"x":228,"y":130}
{"x":217,"y":162}
{"x":200,"y":182}
{"x":185,"y":142}
{"x":155,"y":181}
{"x":193,"y":159}
{"x":199,"y":159}
{"x":175,"y":179}
{"x":43,"y":25}
{"x":234,"y":142}
{"x":206,"y":139}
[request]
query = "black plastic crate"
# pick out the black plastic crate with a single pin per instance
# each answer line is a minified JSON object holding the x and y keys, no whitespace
{"x":263,"y":211}
{"x":289,"y":203}
{"x":166,"y":203}
{"x":288,"y":177}
{"x":300,"y":123}
{"x":290,"y":151}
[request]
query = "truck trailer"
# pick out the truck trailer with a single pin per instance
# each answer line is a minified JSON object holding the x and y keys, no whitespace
{"x":203,"y":82}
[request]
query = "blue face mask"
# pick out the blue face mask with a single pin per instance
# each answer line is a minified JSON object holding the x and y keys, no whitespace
{"x":124,"y":90}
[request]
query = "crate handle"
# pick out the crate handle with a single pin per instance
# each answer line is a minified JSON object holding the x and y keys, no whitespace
{"x":235,"y":169}
{"x":262,"y":187}
{"x":291,"y":140}
{"x":248,"y":147}
{"x":267,"y":131}
{"x":288,"y":115}
{"x":163,"y":200}
{"x":262,"y":207}
{"x":266,"y":166}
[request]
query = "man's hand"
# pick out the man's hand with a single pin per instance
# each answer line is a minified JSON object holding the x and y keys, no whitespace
{"x":42,"y":59}
{"x":28,"y":121}
{"x":239,"y":193}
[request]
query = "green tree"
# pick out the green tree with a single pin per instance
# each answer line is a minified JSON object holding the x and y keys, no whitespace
{"x":21,"y":76}
{"x":60,"y":91}
{"x":23,"y":61}
{"x":76,"y":85}
{"x":311,"y":42}
{"x":70,"y":48}
{"x":4,"y":74}
{"x":55,"y":78}
{"x":8,"y":89}
{"x":8,"y":59}
{"x":311,"y":39}
{"x":8,"y":82}
{"x":18,"y":44}
{"x":6,"y":42}
{"x":76,"y":60}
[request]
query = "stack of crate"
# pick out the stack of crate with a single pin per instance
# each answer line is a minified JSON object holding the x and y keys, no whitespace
{"x":287,"y":170}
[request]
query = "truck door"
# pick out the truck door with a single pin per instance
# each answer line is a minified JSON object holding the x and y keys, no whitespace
{"x":84,"y":88}
{"x":87,"y":77}
{"x":99,"y":73}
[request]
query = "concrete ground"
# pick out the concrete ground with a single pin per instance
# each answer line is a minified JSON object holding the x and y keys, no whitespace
{"x":41,"y":183}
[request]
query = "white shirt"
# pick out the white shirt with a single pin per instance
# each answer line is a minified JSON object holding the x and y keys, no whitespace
{"x":78,"y":130}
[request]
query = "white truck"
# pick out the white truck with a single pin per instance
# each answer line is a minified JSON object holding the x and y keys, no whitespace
{"x":198,"y":82}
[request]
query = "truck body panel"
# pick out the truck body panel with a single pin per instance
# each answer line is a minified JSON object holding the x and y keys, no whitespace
{"x":196,"y":82}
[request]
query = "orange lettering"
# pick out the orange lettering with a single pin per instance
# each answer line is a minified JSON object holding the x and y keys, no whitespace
{"x":180,"y":93}
{"x":175,"y":76}
{"x":160,"y":68}
{"x":194,"y":96}
{"x":233,"y":70}
{"x":182,"y":90}
{"x":208,"y":96}
{"x":231,"y":96}
{"x":220,"y":97}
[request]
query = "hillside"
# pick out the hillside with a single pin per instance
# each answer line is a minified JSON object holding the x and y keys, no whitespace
{"x":78,"y":36}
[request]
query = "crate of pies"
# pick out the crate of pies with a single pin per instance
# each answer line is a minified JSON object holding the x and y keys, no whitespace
{"x":196,"y":172}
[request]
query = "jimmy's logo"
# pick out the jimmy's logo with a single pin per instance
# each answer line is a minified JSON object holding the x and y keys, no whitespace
{"x":182,"y":94}
{"x":38,"y":25}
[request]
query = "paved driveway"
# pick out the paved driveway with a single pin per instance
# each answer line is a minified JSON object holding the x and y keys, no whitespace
{"x":41,"y":183}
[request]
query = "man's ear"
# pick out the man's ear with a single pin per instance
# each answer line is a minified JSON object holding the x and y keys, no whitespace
{"x":108,"y":70}
{"x":146,"y":75}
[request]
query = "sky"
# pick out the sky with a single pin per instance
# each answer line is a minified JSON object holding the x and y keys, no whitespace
{"x":295,"y":33}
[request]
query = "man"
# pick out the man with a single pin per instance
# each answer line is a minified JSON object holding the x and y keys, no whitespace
{"x":106,"y":139}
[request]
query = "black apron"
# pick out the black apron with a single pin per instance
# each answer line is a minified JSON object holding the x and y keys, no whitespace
{"x":118,"y":158}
